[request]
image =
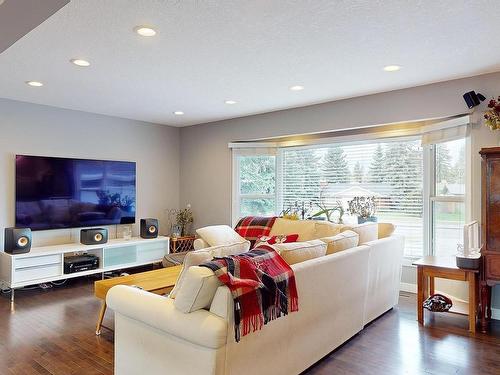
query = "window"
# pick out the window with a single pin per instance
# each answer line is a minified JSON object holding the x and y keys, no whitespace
{"x":448,"y":196}
{"x":256,"y":185}
{"x":334,"y":174}
{"x":421,"y":189}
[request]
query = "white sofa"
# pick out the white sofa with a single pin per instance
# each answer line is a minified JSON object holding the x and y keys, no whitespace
{"x":338,"y":295}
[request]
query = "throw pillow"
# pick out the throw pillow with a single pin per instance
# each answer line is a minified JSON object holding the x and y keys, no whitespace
{"x":197,"y":290}
{"x":385,"y":229}
{"x":367,"y":232}
{"x":296,"y":252}
{"x":197,"y":257}
{"x":192,"y":258}
{"x":304,"y":228}
{"x":342,"y":241}
{"x":288,"y":238}
{"x":216,"y":235}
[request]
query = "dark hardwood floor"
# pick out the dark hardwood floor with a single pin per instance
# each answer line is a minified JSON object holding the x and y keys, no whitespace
{"x":52,"y":332}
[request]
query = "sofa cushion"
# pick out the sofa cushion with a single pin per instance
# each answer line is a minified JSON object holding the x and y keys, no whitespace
{"x":192,"y":258}
{"x":197,"y":290}
{"x":197,"y":257}
{"x":385,"y":229}
{"x":367,"y":231}
{"x":216,"y":235}
{"x":342,"y":241}
{"x":304,"y":228}
{"x":296,"y":252}
{"x":326,"y":229}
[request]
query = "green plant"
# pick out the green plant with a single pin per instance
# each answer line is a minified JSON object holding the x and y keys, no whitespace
{"x":184,"y":217}
{"x":363,"y":206}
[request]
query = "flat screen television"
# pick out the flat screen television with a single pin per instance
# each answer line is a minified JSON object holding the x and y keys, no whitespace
{"x":54,"y":193}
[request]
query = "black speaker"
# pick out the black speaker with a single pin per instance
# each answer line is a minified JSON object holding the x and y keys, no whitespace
{"x":472,"y":99}
{"x":149,"y":228}
{"x":17,"y":240}
{"x":93,"y":236}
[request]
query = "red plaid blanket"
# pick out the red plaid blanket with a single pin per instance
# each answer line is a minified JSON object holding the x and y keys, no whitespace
{"x":254,"y":227}
{"x":262,"y":285}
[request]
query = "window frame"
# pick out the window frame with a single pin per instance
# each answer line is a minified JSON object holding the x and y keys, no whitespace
{"x":429,"y":196}
{"x":236,"y":182}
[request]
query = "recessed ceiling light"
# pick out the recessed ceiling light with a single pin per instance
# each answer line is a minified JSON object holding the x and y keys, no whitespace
{"x":296,"y":88}
{"x":80,"y":62}
{"x":34,"y":83}
{"x":230,"y":102}
{"x":392,"y":68}
{"x":178,"y":113}
{"x":145,"y":31}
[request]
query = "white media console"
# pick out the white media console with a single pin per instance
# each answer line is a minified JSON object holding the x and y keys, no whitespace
{"x":46,"y":263}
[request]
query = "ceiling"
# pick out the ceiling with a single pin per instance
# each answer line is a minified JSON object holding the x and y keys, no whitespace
{"x":206,"y":52}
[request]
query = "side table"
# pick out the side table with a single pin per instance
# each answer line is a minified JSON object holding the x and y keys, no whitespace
{"x":431,"y":267}
{"x":181,"y":244}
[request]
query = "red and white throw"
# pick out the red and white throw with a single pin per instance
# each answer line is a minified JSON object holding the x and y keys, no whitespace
{"x":262,"y":285}
{"x":253,"y":228}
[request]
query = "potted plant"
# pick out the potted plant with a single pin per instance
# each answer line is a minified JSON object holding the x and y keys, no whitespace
{"x":492,"y":115}
{"x":184,"y":219}
{"x":364,"y":208}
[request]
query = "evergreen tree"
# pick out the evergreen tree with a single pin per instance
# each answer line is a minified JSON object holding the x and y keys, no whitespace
{"x":404,"y":173}
{"x":301,"y":177}
{"x":443,"y":164}
{"x":257,"y":176}
{"x":358,"y":173}
{"x":335,"y":168}
{"x":377,"y":167}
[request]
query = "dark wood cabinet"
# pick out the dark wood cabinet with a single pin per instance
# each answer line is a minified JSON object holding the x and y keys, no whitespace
{"x":490,"y":200}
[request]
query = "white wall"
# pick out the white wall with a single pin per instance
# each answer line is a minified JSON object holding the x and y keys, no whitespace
{"x":206,"y":160}
{"x":42,"y":130}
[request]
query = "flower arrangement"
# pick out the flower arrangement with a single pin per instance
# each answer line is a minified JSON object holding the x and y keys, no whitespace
{"x":364,"y":207}
{"x":184,"y":218}
{"x":492,"y":116}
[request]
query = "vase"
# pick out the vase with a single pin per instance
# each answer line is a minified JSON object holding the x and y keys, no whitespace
{"x":362,"y":220}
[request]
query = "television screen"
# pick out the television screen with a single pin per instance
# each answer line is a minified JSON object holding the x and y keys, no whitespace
{"x":53,"y":193}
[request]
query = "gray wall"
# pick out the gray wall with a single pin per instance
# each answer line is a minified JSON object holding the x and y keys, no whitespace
{"x":206,"y":160}
{"x":42,"y":130}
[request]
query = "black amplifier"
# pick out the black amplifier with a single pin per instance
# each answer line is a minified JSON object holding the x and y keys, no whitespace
{"x":80,"y":263}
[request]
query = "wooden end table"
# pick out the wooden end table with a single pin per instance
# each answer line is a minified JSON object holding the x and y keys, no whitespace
{"x":431,"y":267}
{"x":181,"y":244}
{"x":159,"y":281}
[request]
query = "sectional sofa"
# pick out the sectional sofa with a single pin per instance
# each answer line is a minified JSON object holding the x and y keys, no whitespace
{"x":340,"y":292}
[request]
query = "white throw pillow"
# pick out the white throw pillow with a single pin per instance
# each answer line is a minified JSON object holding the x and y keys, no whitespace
{"x":197,"y":257}
{"x":197,"y":290}
{"x":304,"y":228}
{"x":216,"y":235}
{"x":367,"y":231}
{"x":342,"y":241}
{"x":192,"y":258}
{"x":296,"y":252}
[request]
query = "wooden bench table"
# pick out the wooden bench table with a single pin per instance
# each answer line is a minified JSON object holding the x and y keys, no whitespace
{"x":159,"y":281}
{"x":431,"y":267}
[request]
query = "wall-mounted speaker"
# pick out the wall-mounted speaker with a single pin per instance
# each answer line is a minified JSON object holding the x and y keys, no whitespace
{"x":149,"y":228}
{"x":472,"y":99}
{"x":17,"y":240}
{"x":93,"y":236}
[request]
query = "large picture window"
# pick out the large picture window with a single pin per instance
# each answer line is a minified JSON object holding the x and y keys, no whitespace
{"x":420,"y":189}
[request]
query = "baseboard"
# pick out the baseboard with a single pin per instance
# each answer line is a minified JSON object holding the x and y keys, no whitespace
{"x":495,"y":314}
{"x":412,"y":288}
{"x":409,"y":288}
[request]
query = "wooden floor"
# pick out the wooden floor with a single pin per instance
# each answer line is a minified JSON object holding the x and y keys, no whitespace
{"x":52,"y":332}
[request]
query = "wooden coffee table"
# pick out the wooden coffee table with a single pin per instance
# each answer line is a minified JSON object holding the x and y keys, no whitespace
{"x":159,"y":281}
